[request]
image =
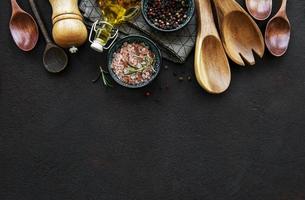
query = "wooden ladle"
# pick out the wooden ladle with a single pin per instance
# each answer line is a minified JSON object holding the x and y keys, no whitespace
{"x":259,"y":9}
{"x":277,"y":35}
{"x":240,"y":34}
{"x":211,"y":63}
{"x":23,"y":28}
{"x":55,"y":58}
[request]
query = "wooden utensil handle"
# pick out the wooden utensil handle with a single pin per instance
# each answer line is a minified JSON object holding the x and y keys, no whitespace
{"x":40,"y":22}
{"x":15,"y":6}
{"x":283,"y":6}
{"x":206,"y":24}
{"x":204,"y":8}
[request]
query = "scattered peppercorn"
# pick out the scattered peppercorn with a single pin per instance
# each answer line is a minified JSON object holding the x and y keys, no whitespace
{"x":167,"y":14}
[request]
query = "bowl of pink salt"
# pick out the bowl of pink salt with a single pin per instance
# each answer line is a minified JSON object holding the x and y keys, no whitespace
{"x":134,"y":61}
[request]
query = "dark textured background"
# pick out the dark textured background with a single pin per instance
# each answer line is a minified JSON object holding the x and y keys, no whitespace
{"x":63,"y":137}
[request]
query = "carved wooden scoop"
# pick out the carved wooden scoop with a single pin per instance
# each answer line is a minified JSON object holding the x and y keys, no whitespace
{"x":55,"y":58}
{"x":211,"y":64}
{"x":259,"y":9}
{"x":240,"y":34}
{"x":23,"y":28}
{"x":277,"y":35}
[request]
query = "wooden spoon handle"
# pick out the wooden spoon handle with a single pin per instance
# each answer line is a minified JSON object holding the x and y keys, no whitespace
{"x":283,"y":6}
{"x":15,"y":7}
{"x":206,"y":24}
{"x":40,"y":22}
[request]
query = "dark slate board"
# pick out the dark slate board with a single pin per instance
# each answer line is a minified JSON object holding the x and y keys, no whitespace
{"x":62,"y":137}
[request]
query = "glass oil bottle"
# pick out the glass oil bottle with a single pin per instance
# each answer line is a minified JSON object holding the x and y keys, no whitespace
{"x":113,"y":13}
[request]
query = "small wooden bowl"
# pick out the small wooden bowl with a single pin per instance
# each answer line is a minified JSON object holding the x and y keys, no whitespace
{"x":190,"y":13}
{"x":138,"y":39}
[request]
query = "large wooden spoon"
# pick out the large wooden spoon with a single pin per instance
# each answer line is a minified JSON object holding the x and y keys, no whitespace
{"x":259,"y":9}
{"x":240,"y":34}
{"x":55,"y":58}
{"x":23,"y":28}
{"x":211,"y":64}
{"x":277,"y":35}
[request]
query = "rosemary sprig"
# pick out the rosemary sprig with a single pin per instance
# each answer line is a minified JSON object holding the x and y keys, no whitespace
{"x":102,"y":74}
{"x":133,"y":69}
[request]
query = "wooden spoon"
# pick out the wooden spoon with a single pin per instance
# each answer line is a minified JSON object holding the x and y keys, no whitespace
{"x":277,"y":35}
{"x":55,"y":58}
{"x":211,"y":63}
{"x":259,"y":9}
{"x":23,"y":28}
{"x":240,"y":34}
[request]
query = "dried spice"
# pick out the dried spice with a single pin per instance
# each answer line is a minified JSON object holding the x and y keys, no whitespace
{"x":167,"y":14}
{"x":102,"y":74}
{"x":147,"y":94}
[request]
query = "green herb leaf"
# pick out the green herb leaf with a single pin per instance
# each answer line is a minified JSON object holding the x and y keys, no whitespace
{"x":102,"y":74}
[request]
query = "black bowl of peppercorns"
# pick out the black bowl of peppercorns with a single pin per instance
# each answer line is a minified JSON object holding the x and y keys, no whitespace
{"x":168,"y":15}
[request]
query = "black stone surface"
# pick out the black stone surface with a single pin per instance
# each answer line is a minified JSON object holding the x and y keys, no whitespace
{"x":62,"y":137}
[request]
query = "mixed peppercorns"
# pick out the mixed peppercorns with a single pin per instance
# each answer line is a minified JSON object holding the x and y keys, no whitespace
{"x":167,"y":14}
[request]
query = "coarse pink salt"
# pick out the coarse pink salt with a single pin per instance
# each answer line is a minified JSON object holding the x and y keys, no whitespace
{"x":133,"y":63}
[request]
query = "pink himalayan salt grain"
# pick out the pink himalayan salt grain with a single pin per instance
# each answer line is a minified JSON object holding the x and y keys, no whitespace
{"x":132,"y":54}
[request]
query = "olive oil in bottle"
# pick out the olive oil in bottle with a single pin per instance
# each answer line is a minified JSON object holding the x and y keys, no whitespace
{"x":113,"y":13}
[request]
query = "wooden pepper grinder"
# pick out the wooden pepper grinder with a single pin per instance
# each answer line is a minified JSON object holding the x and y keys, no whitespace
{"x":69,"y":30}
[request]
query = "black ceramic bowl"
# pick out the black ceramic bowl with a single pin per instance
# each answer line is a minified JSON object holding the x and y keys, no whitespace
{"x":138,"y":39}
{"x":190,"y":13}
